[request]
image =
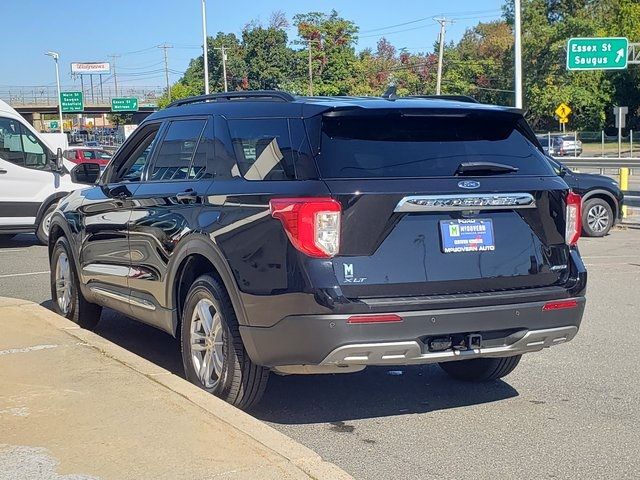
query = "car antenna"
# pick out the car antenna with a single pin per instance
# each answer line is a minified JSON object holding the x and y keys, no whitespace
{"x":391,"y":92}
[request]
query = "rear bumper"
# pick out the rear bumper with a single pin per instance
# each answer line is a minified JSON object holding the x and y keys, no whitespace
{"x":329,"y":340}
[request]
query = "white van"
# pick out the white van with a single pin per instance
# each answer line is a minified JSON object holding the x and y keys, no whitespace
{"x":32,"y":177}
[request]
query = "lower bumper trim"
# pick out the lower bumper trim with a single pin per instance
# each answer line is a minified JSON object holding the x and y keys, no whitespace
{"x":415,"y":352}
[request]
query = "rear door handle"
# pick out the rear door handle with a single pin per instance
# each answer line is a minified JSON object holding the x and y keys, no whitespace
{"x":189,"y":195}
{"x":2,"y":172}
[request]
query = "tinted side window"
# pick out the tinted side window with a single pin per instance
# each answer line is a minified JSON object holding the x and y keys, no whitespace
{"x":177,"y":150}
{"x":263,"y":149}
{"x":19,"y":146}
{"x":130,"y":167}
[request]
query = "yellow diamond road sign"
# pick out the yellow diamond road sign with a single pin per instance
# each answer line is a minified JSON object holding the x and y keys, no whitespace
{"x":563,"y":110}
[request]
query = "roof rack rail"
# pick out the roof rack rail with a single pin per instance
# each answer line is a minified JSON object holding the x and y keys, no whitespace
{"x":456,"y":98}
{"x":243,"y":95}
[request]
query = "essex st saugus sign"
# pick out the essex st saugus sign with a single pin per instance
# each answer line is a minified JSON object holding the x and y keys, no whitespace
{"x":597,"y":53}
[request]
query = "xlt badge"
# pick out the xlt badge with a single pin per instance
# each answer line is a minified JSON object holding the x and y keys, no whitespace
{"x":348,"y":274}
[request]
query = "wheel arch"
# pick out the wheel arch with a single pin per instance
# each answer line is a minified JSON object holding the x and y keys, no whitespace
{"x":197,"y":256}
{"x":53,"y":198}
{"x":604,"y":195}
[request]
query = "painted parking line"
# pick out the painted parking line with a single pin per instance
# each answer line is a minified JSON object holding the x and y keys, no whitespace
{"x":23,"y":274}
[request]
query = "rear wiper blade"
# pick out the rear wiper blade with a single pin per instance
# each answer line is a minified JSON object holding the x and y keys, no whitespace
{"x":479,"y":168}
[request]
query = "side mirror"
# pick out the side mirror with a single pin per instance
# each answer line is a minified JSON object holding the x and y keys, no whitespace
{"x":86,"y":173}
{"x":59,"y":160}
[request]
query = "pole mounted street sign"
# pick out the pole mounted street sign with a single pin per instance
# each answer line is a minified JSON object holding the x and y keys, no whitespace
{"x":71,"y":102}
{"x":621,"y":116}
{"x":597,"y":53}
{"x":563,"y":111}
{"x":125,"y":104}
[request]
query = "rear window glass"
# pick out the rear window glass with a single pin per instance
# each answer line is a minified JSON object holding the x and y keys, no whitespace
{"x":417,"y":145}
{"x":263,"y":149}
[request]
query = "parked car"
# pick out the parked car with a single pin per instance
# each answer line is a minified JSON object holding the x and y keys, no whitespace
{"x":32,"y":178}
{"x":550,"y":145}
{"x":302,"y":235}
{"x":601,"y":199}
{"x":86,"y":154}
{"x":569,"y":147}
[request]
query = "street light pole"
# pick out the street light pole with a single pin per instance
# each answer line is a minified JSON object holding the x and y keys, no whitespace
{"x":55,"y":57}
{"x":205,"y":48}
{"x":518,"y":53}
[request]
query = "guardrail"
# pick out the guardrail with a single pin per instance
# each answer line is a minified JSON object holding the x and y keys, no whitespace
{"x":600,"y":162}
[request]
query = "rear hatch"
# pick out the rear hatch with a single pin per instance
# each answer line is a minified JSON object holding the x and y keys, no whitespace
{"x":442,"y":202}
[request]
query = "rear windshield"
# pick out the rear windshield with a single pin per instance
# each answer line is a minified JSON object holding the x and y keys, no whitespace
{"x":410,"y":145}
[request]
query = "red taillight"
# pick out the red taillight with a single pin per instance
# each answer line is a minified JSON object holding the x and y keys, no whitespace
{"x":573,"y":219}
{"x":387,"y":318}
{"x":312,"y":224}
{"x":560,"y":305}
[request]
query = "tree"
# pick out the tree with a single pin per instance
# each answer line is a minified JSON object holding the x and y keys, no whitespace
{"x":332,"y":42}
{"x":120,"y":118}
{"x":267,"y":56}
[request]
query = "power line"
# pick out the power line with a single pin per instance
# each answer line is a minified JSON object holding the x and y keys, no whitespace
{"x":450,"y":14}
{"x":384,"y":34}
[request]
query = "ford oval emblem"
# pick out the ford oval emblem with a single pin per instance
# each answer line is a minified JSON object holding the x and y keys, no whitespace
{"x":469,"y":184}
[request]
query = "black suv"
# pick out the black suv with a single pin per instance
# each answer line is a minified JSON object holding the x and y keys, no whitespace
{"x":323,"y":234}
{"x":602,"y":199}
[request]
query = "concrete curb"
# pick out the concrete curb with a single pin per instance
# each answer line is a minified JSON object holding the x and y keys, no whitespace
{"x":302,"y":457}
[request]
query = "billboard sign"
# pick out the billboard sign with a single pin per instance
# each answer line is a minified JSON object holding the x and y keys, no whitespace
{"x":87,"y":68}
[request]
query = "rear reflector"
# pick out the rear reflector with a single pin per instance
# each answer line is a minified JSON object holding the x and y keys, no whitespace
{"x":573,"y":219}
{"x":561,"y":305}
{"x":374,"y":319}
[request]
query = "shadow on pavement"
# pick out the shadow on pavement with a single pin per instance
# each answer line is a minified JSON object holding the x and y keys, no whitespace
{"x":18,"y":241}
{"x":304,"y":399}
{"x":374,"y":392}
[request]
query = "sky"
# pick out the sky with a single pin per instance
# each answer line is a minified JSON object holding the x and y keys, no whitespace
{"x":84,"y":31}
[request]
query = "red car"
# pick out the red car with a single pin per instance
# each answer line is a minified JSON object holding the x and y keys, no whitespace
{"x":86,"y":154}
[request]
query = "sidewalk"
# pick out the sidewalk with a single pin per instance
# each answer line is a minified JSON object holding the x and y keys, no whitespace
{"x":74,"y":406}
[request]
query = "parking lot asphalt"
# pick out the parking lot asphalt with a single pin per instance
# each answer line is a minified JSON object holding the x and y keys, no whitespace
{"x":567,"y":412}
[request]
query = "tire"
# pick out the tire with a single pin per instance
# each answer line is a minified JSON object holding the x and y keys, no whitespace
{"x":228,"y":371}
{"x":481,"y":369}
{"x":597,"y":217}
{"x":42,"y":232}
{"x":75,"y":307}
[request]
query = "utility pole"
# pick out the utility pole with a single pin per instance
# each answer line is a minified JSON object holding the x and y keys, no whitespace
{"x":205,"y":49}
{"x":443,"y":22}
{"x":224,"y":65}
{"x":518,"y":53}
{"x":310,"y":69}
{"x":164,"y":47}
{"x":115,"y":77}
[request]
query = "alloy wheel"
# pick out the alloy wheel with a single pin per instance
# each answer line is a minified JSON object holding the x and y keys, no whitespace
{"x":64,"y":284}
{"x":207,"y":342}
{"x":598,"y":218}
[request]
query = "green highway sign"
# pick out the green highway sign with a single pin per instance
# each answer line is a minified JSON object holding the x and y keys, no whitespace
{"x":125,"y":104}
{"x":597,"y":53}
{"x":71,"y":102}
{"x":53,"y":125}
